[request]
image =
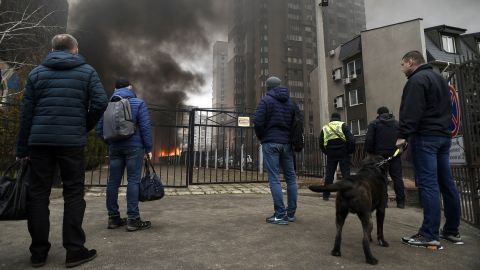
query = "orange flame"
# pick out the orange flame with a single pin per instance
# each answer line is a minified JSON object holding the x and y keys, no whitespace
{"x":174,"y":152}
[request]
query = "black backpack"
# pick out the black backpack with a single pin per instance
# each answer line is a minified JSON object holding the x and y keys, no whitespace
{"x":297,"y":134}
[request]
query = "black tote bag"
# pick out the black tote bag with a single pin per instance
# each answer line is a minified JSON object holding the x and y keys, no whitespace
{"x":13,"y":191}
{"x":151,"y":187}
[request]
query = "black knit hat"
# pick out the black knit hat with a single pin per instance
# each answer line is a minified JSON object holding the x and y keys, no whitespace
{"x":121,"y":83}
{"x":382,"y":110}
{"x":335,"y":116}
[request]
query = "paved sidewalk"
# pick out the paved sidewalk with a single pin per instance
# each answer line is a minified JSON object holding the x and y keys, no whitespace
{"x":228,"y":231}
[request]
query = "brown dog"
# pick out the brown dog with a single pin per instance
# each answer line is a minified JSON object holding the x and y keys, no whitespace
{"x":361,"y":194}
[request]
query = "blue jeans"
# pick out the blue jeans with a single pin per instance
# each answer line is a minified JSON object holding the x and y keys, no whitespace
{"x":431,"y":160}
{"x":132,"y":158}
{"x":274,"y":155}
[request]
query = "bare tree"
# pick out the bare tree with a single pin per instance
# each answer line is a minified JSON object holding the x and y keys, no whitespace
{"x":26,"y":27}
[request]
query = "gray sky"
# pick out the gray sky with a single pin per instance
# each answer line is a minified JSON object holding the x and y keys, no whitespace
{"x":458,"y":13}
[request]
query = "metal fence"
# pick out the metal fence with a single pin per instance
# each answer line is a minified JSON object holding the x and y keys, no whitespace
{"x":466,"y":80}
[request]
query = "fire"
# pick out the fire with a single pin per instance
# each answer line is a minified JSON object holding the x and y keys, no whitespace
{"x":174,"y":152}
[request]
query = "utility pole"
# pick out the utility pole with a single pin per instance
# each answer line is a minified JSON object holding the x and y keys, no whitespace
{"x":322,"y":68}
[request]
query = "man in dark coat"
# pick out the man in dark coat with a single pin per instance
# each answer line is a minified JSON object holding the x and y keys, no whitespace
{"x":63,"y":100}
{"x":425,"y":117}
{"x":381,"y":137}
{"x":273,"y":123}
{"x":338,"y":143}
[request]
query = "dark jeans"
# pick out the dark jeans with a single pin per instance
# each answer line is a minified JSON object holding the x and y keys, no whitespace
{"x":335,"y":157}
{"x":395,"y":171}
{"x":132,"y":158}
{"x":72,"y":170}
{"x":431,"y":160}
{"x":276,"y":155}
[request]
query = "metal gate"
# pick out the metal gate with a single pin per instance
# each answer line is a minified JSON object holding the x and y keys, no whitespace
{"x":205,"y":146}
{"x":466,"y":80}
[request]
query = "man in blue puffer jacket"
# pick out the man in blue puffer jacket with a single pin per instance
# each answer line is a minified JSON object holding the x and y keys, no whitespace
{"x":273,"y":124}
{"x":128,"y":153}
{"x":63,"y":100}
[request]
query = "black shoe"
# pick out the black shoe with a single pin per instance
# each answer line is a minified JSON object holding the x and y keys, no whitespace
{"x":325,"y":198}
{"x":420,"y":241}
{"x":38,"y":262}
{"x":76,"y":258}
{"x":137,"y":224}
{"x":401,"y":205}
{"x":116,"y":221}
{"x":291,"y":218}
{"x":277,"y":220}
{"x":454,"y":238}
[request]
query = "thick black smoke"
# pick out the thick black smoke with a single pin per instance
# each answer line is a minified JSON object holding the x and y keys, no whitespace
{"x":144,"y":40}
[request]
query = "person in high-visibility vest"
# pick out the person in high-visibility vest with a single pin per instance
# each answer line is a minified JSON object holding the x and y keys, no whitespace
{"x":338,"y":143}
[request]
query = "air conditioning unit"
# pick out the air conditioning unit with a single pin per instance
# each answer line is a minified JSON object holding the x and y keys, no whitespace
{"x":335,"y":77}
{"x":346,"y":81}
{"x":331,"y":53}
{"x":338,"y":102}
{"x":354,"y":76}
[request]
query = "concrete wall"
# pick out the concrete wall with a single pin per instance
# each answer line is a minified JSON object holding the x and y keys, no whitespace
{"x":382,"y":51}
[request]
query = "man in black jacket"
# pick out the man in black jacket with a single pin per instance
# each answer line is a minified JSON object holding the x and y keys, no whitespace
{"x":381,"y":137}
{"x":338,"y":143}
{"x":425,"y":117}
{"x":63,"y":100}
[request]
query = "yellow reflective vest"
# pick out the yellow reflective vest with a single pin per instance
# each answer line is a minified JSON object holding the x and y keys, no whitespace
{"x":331,"y":130}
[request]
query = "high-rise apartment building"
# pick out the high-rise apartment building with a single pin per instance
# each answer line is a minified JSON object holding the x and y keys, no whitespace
{"x":271,"y":37}
{"x":219,"y":98}
{"x":342,"y":20}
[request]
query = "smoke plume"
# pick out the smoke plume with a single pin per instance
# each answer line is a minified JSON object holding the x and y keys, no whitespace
{"x":146,"y":41}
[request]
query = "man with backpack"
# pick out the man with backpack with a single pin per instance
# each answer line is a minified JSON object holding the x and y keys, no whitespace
{"x":125,"y":126}
{"x":274,"y":118}
{"x":338,"y":143}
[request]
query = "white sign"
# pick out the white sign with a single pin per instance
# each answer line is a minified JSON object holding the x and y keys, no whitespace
{"x":457,"y":152}
{"x":243,"y":121}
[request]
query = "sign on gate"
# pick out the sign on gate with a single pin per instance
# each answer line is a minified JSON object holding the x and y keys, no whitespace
{"x":243,"y":121}
{"x":457,"y":151}
{"x":456,"y":114}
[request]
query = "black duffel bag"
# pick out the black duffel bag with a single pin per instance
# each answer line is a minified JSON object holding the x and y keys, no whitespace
{"x":151,"y":187}
{"x":13,"y":191}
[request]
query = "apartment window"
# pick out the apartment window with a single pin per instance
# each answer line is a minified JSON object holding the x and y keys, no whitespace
{"x":308,"y":29}
{"x":309,"y":61}
{"x":294,"y":37}
{"x":350,"y":68}
{"x":448,"y":44}
{"x":295,"y":83}
{"x":293,"y":16}
{"x":478,"y":46}
{"x":355,"y":127}
{"x":265,"y":37}
{"x":353,"y":97}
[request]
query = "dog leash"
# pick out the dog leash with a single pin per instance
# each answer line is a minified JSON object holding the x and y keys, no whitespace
{"x":383,"y":162}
